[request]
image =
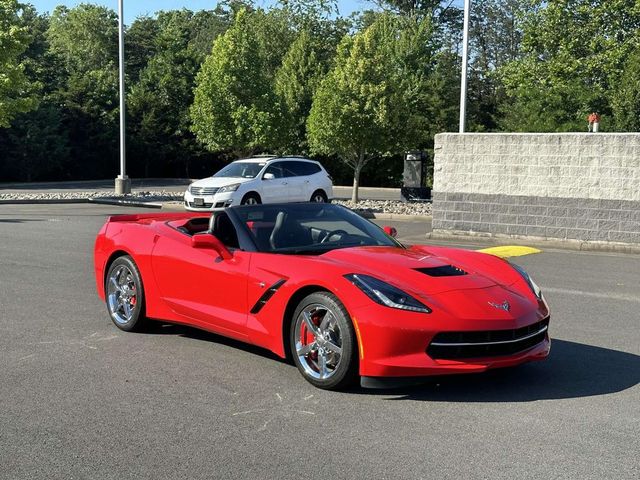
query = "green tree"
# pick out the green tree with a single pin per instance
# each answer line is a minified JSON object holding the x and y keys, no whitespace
{"x":37,"y":144}
{"x":357,"y":109}
{"x":295,"y":84}
{"x":140,"y":45}
{"x":573,"y":55}
{"x":159,"y":101}
{"x":420,"y":60}
{"x":446,"y":15}
{"x":85,"y":37}
{"x":16,"y":91}
{"x":306,"y":62}
{"x":84,"y":43}
{"x":37,"y":141}
{"x":495,"y":40}
{"x":235,"y":106}
{"x":625,"y":97}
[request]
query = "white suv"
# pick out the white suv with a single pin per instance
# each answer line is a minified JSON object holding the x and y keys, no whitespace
{"x":261,"y":180}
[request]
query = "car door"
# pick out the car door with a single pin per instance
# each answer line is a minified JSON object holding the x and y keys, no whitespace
{"x":198,"y":284}
{"x":309,"y":173}
{"x":294,"y":173}
{"x":274,"y":190}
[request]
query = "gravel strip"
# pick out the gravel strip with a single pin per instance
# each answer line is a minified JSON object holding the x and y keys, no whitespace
{"x":393,"y":207}
{"x":151,"y":196}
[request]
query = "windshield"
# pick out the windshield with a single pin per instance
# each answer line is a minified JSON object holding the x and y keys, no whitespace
{"x":309,"y":228}
{"x":241,"y":170}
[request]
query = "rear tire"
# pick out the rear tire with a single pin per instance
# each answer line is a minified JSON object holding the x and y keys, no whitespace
{"x":251,"y":198}
{"x":323,"y":342}
{"x":124,"y":294}
{"x":319,"y":197}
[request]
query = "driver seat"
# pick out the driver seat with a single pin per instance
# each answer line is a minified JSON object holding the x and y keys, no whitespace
{"x":222,"y":228}
{"x":287,"y":232}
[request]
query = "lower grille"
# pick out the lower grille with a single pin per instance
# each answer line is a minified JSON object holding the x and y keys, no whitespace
{"x":202,"y":205}
{"x":487,"y":343}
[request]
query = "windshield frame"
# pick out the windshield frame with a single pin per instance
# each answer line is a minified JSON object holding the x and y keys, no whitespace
{"x":240,"y":214}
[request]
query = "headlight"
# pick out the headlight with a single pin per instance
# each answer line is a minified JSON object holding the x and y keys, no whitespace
{"x":385,"y":294}
{"x":532,"y":285}
{"x":229,"y":188}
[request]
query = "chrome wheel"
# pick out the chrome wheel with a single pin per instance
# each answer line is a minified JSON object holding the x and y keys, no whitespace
{"x":122,"y":294}
{"x":318,"y":341}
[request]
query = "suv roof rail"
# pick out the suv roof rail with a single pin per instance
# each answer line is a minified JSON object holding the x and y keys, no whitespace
{"x":302,"y":157}
{"x":279,"y":157}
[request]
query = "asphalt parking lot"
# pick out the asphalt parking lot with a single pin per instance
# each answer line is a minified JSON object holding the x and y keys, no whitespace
{"x":81,"y":399}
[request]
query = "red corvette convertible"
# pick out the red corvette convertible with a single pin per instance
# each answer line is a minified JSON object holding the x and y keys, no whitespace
{"x":318,"y":283}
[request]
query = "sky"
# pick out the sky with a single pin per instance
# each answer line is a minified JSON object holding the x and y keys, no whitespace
{"x":135,"y":8}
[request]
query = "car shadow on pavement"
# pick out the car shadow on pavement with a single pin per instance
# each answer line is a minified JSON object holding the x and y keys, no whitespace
{"x":572,"y":370}
{"x":21,"y":220}
{"x":160,"y":328}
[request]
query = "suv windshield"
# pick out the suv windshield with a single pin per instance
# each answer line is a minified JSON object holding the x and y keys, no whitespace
{"x":309,"y":228}
{"x":241,"y":170}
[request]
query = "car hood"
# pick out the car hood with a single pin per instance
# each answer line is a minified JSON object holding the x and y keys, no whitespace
{"x":422,"y":270}
{"x":219,"y":181}
{"x":487,"y":284}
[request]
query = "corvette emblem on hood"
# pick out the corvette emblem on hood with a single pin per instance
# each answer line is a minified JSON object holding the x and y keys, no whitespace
{"x":501,"y":306}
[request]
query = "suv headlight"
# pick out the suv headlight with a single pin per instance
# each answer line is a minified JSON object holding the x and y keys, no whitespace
{"x":229,"y":188}
{"x":532,"y":285}
{"x":385,"y":294}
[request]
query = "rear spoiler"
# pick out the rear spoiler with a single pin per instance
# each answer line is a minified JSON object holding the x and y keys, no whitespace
{"x":158,"y":217}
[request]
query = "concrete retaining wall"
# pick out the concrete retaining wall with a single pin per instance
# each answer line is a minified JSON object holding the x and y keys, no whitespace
{"x":569,"y":186}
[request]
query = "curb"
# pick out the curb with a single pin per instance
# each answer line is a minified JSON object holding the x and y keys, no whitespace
{"x":394,"y":216}
{"x":125,"y":203}
{"x":576,"y":245}
{"x":64,"y":201}
{"x":42,"y":201}
{"x":72,"y":184}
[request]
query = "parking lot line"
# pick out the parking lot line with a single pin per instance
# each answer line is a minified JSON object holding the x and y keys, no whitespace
{"x":600,"y":295}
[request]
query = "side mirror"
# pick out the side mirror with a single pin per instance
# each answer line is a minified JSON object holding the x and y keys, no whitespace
{"x":208,"y":241}
{"x":391,"y":231}
{"x":268,"y":176}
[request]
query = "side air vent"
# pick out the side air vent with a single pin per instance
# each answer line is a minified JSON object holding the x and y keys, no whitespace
{"x":266,"y":296}
{"x":443,"y":271}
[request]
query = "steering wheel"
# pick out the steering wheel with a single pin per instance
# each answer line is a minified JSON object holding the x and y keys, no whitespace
{"x":332,"y":233}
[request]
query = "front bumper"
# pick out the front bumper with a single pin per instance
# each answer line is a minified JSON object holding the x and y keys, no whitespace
{"x":208,"y":203}
{"x":398,"y":347}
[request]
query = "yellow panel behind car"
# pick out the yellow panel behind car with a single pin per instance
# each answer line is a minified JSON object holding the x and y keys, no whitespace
{"x":507,"y":251}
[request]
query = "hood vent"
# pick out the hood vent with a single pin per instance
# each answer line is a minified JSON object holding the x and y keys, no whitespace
{"x":442,"y":271}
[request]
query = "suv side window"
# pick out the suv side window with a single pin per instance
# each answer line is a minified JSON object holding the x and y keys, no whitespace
{"x":288,"y":169}
{"x":303,"y":169}
{"x":275,"y":169}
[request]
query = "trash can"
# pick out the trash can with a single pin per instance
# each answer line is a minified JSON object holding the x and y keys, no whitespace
{"x":413,"y":177}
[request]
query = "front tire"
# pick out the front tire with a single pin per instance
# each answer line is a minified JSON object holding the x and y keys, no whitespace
{"x":323,"y":342}
{"x":251,"y":198}
{"x":125,"y":295}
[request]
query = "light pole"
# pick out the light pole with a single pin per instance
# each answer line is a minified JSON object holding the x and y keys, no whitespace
{"x":123,"y":183}
{"x":465,"y":55}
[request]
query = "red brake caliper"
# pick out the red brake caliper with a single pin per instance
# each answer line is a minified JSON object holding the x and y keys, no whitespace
{"x":316,"y":321}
